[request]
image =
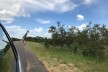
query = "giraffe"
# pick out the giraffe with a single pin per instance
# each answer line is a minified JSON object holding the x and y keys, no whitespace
{"x":23,"y":39}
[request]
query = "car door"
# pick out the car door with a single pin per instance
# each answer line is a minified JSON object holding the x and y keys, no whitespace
{"x":9,"y":60}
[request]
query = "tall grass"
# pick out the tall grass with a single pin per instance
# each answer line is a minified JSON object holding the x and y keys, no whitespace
{"x":6,"y":62}
{"x":56,"y":56}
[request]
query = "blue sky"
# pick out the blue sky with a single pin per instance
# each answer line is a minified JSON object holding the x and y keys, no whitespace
{"x":37,"y":16}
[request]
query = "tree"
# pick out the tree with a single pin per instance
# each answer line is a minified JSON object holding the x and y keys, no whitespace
{"x":90,"y":41}
{"x":58,"y":35}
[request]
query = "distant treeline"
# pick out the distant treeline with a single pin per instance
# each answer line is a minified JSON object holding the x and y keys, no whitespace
{"x":15,"y":39}
{"x":91,"y":41}
{"x":36,"y":39}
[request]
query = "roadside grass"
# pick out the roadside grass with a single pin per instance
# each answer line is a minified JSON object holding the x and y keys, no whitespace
{"x":6,"y":62}
{"x":57,"y":60}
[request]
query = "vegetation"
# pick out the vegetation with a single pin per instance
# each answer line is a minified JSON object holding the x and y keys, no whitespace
{"x":6,"y":61}
{"x":86,"y":50}
{"x":90,"y":41}
{"x":36,"y":39}
{"x":15,"y":39}
{"x":57,"y":60}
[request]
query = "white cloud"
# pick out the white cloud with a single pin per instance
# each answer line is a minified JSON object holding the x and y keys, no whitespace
{"x":48,"y":35}
{"x":42,"y":21}
{"x":39,"y":29}
{"x":80,"y":17}
{"x":49,"y":5}
{"x":69,"y":26}
{"x":82,"y":26}
{"x":18,"y":32}
{"x":34,"y":33}
{"x":11,"y":9}
{"x":39,"y":32}
{"x":20,"y":8}
{"x":13,"y":27}
{"x":9,"y":21}
{"x":89,"y":2}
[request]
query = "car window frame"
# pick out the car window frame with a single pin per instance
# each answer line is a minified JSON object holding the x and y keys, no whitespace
{"x":12,"y":46}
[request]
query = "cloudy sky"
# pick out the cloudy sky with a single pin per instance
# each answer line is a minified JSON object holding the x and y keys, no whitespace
{"x":37,"y":16}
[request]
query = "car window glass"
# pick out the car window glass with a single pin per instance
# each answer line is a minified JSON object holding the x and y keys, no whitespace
{"x":6,"y":54}
{"x":2,"y":38}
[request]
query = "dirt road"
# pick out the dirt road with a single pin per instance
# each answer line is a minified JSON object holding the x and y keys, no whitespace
{"x":30,"y":62}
